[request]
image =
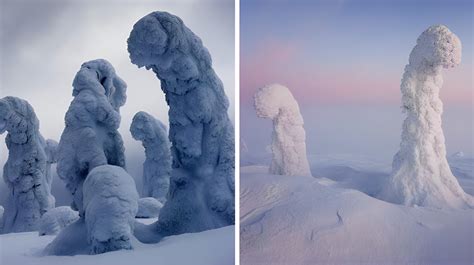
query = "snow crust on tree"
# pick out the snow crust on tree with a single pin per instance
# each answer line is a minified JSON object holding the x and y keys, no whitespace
{"x":157,"y":167}
{"x":26,"y":167}
{"x":201,"y":194}
{"x":288,"y":147}
{"x":148,"y":207}
{"x":2,"y":210}
{"x":91,"y":136}
{"x":420,"y":171}
{"x":55,"y":219}
{"x":110,"y":204}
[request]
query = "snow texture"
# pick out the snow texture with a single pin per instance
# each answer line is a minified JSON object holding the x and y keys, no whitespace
{"x":288,"y":147}
{"x":25,"y":171}
{"x":201,"y":194}
{"x":420,"y":171}
{"x":2,"y":210}
{"x":157,"y":167}
{"x":54,"y":220}
{"x":110,"y":204}
{"x":91,"y":136}
{"x":148,"y":207}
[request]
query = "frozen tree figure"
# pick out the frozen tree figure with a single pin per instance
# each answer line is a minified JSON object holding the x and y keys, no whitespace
{"x":25,"y":170}
{"x":54,"y":220}
{"x":420,"y":171}
{"x":91,"y":136}
{"x":201,"y":195}
{"x":288,"y":147}
{"x":110,"y":203}
{"x":51,"y":151}
{"x":157,"y":167}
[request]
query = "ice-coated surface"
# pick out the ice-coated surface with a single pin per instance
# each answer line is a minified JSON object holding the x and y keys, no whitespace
{"x":148,"y":207}
{"x":421,"y":174}
{"x":91,"y":136}
{"x":276,"y":102}
{"x":25,"y":171}
{"x":157,"y":167}
{"x":55,"y":219}
{"x":201,"y":192}
{"x":110,"y":204}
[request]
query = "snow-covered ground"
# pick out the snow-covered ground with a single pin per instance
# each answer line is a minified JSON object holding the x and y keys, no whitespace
{"x":333,"y":218}
{"x":205,"y":248}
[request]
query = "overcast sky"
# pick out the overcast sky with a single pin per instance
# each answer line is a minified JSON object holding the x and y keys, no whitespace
{"x":44,"y":43}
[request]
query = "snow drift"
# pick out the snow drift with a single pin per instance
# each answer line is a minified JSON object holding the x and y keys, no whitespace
{"x":55,"y":219}
{"x":421,"y":174}
{"x":148,"y":207}
{"x":157,"y":167}
{"x":25,"y":171}
{"x":110,"y":204}
{"x":91,"y":136}
{"x":288,"y":147}
{"x":201,"y":194}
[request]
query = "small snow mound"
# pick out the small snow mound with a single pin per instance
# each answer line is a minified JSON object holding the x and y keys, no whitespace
{"x":110,"y":203}
{"x":54,"y":220}
{"x":148,"y":207}
{"x":459,"y":154}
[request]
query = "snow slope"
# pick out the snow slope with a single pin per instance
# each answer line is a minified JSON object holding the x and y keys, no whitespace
{"x":327,"y":220}
{"x":205,"y":248}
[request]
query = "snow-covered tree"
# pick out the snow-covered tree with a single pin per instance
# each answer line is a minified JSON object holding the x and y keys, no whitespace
{"x":55,"y":219}
{"x":110,"y":205}
{"x":148,"y":207}
{"x":201,"y":192}
{"x":288,"y":147}
{"x":51,"y":151}
{"x":91,"y":136}
{"x":420,"y":171}
{"x":26,"y":168}
{"x":157,"y":167}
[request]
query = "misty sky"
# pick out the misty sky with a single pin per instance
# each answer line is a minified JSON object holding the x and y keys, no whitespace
{"x":44,"y":43}
{"x":343,"y":61}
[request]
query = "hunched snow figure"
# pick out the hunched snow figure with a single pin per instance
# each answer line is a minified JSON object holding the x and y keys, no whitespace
{"x":201,"y":194}
{"x":25,"y":170}
{"x":55,"y":219}
{"x":157,"y":167}
{"x":420,"y":171}
{"x":288,"y":147}
{"x":91,"y":136}
{"x":110,"y":205}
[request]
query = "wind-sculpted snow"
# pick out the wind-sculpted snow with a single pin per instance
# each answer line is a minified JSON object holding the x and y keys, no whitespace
{"x":110,"y":205}
{"x":25,"y":171}
{"x":421,"y":174}
{"x":157,"y":167}
{"x":55,"y":219}
{"x":91,"y":136}
{"x":148,"y":207}
{"x":201,"y":192}
{"x":276,"y":102}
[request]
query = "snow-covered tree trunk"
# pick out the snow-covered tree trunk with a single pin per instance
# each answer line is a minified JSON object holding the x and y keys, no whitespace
{"x":25,"y":171}
{"x":276,"y":102}
{"x":157,"y":167}
{"x":421,"y":174}
{"x":201,"y":195}
{"x":91,"y":136}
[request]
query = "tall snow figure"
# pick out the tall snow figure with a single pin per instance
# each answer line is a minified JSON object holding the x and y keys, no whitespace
{"x":276,"y":102}
{"x":157,"y":167}
{"x":51,"y":151}
{"x":201,"y":195}
{"x":91,"y":136}
{"x":420,"y":171}
{"x":25,"y":170}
